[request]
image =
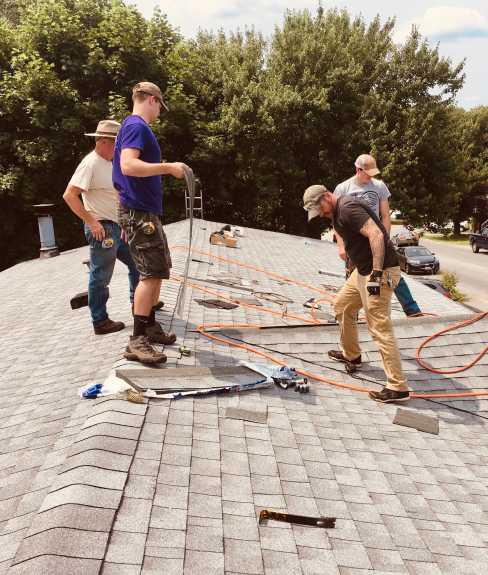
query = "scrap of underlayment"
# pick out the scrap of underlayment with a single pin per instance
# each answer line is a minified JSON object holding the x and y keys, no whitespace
{"x":420,"y":421}
{"x":248,"y":411}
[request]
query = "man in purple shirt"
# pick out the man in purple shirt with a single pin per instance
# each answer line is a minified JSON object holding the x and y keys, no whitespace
{"x":137,"y":171}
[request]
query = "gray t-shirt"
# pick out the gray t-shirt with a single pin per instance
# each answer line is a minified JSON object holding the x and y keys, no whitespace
{"x":371,"y":193}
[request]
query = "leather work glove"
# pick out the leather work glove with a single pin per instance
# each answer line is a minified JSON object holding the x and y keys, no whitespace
{"x":373,"y":284}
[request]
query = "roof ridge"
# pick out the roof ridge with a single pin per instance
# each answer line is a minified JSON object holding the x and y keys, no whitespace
{"x":93,"y":473}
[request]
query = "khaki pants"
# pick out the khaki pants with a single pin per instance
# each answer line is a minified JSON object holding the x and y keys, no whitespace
{"x":351,"y":298}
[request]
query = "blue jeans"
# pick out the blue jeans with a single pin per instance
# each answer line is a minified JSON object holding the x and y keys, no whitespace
{"x":405,"y":297}
{"x":102,"y":263}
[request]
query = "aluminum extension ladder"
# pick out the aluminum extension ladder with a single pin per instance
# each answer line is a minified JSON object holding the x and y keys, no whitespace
{"x":197,"y":201}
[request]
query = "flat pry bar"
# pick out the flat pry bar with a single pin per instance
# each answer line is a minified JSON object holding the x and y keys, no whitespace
{"x":323,"y":522}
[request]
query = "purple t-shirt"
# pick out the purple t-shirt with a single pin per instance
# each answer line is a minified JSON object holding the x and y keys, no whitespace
{"x":145,"y":194}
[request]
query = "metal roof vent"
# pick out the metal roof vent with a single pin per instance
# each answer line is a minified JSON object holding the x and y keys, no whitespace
{"x":49,"y":248}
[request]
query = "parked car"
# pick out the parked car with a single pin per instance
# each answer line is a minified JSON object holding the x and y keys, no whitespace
{"x":406,"y":237}
{"x":480,"y":240}
{"x":417,"y":259}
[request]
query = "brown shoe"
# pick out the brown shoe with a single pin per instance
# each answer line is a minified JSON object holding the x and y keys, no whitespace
{"x":156,"y":334}
{"x":108,"y":326}
{"x":139,"y":349}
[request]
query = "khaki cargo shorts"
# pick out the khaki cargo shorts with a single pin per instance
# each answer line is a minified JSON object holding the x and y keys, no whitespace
{"x":147,"y":242}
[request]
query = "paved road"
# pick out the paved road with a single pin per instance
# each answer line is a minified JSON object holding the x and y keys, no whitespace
{"x":470,"y":268}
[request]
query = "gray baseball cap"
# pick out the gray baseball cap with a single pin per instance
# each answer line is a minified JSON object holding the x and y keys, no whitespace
{"x":311,"y":200}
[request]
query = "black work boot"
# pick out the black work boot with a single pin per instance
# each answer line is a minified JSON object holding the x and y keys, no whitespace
{"x":139,"y":349}
{"x":108,"y":326}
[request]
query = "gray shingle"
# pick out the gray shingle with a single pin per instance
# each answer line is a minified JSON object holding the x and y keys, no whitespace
{"x":167,"y":538}
{"x":174,"y":496}
{"x":350,"y":554}
{"x":276,"y":539}
{"x":148,"y":467}
{"x":389,"y":561}
{"x":164,"y":518}
{"x":126,"y":548}
{"x":119,"y":569}
{"x":204,"y":505}
{"x":197,"y":562}
{"x":238,"y":527}
{"x":158,"y":565}
{"x":116,"y":418}
{"x":205,"y":485}
{"x":140,"y":486}
{"x":109,"y":430}
{"x":75,"y":517}
{"x":119,"y":406}
{"x":101,"y":459}
{"x":294,"y":473}
{"x":236,"y":488}
{"x":88,"y":475}
{"x":82,"y":495}
{"x":205,"y":467}
{"x":306,"y":537}
{"x":245,"y":559}
{"x":317,"y":562}
{"x":235,"y":463}
{"x":111,"y":444}
{"x":204,"y":538}
{"x":276,"y":563}
{"x":133,"y":515}
{"x":55,"y":564}
{"x":63,"y":541}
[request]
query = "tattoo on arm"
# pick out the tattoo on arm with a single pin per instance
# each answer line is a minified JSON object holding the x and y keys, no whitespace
{"x":377,"y":242}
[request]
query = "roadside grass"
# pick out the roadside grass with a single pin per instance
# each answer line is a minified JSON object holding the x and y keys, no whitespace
{"x":462,"y":239}
{"x":449,"y":282}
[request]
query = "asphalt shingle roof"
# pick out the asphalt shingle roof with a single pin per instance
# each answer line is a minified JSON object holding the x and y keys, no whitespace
{"x":112,"y":487}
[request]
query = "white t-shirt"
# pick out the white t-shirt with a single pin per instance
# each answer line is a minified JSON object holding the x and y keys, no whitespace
{"x":94,"y":176}
{"x":371,"y":193}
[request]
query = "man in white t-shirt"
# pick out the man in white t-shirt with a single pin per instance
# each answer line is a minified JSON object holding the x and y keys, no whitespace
{"x":364,"y":186}
{"x":92,"y":183}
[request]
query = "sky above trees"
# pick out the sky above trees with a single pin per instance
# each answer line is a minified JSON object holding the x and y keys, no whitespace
{"x":460,"y":26}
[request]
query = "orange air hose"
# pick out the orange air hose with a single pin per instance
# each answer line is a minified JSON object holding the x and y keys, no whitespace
{"x":202,"y":329}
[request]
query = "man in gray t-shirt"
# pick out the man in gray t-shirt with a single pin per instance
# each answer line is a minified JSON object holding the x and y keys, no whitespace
{"x":364,"y":186}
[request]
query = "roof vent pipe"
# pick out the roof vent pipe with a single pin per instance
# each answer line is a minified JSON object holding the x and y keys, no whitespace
{"x":49,"y":248}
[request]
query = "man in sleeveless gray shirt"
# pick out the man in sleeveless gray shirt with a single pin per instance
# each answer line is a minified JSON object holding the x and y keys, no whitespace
{"x":364,"y":186}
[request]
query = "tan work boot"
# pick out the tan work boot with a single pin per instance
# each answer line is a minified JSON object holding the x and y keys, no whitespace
{"x":156,"y":334}
{"x":139,"y":349}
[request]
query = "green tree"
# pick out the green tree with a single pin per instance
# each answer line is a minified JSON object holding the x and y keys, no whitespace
{"x":409,"y":124}
{"x":64,"y":66}
{"x":471,"y":129}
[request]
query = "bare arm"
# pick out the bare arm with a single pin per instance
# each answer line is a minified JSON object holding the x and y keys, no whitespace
{"x":340,"y":245}
{"x":385,"y":215}
{"x":132,"y":165}
{"x":377,"y":242}
{"x":72,"y":196}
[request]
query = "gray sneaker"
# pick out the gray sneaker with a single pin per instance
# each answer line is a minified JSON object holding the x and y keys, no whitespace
{"x":139,"y":349}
